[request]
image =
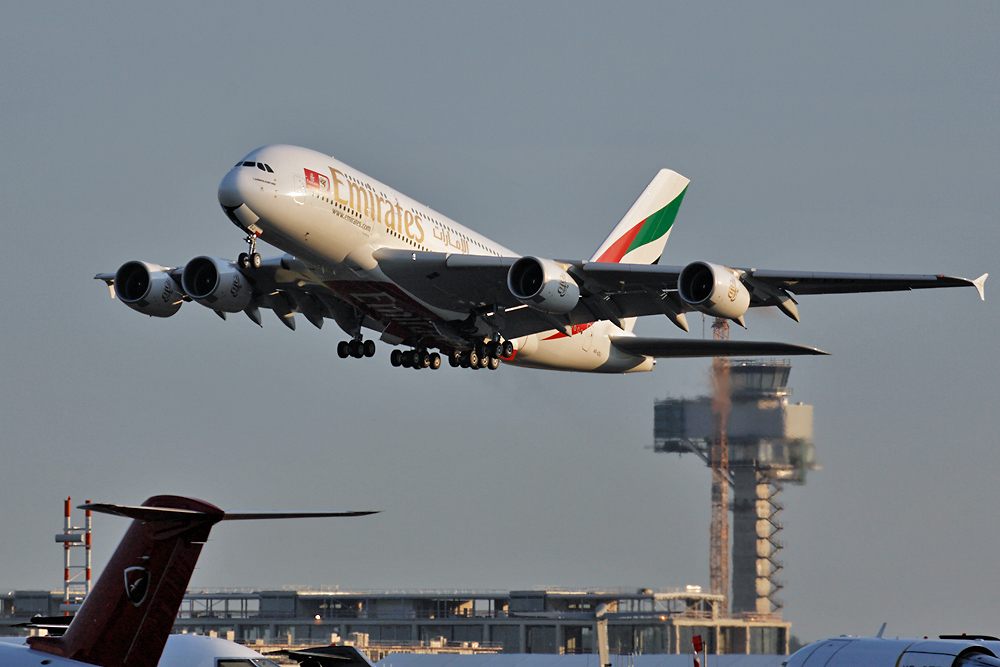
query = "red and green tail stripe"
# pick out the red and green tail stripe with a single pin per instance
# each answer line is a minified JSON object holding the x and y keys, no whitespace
{"x":647,"y":231}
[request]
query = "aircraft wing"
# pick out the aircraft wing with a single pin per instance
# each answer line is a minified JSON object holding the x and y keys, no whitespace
{"x":613,"y":291}
{"x":683,"y":347}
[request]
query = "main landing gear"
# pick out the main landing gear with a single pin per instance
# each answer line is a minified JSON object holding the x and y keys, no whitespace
{"x":482,"y":355}
{"x":356,"y":348}
{"x":246,"y":260}
{"x":419,"y":358}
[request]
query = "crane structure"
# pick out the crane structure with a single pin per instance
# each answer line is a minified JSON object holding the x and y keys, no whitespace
{"x":721,"y":405}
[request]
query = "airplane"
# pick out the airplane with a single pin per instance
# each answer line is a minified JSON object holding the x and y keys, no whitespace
{"x":368,"y":257}
{"x":946,"y":651}
{"x":126,"y":619}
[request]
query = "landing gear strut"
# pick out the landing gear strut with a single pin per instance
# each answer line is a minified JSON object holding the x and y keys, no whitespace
{"x":253,"y":259}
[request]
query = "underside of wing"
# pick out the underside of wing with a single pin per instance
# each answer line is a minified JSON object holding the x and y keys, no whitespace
{"x":681,"y":347}
{"x":450,"y":281}
{"x":847,"y":283}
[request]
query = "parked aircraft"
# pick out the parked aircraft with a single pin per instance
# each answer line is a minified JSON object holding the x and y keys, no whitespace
{"x":368,"y":257}
{"x":947,"y":651}
{"x":126,"y":619}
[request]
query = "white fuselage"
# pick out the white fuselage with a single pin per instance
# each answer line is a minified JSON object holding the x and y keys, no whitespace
{"x":180,"y":651}
{"x":333,"y":218}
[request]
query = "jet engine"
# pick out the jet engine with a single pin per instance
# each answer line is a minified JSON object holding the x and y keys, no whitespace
{"x":216,"y":284}
{"x":148,"y":288}
{"x":714,"y":290}
{"x":543,"y":284}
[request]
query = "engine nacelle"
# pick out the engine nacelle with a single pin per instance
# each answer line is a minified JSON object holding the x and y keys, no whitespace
{"x":543,"y":284}
{"x":216,"y":284}
{"x":713,"y":290}
{"x":148,"y":288}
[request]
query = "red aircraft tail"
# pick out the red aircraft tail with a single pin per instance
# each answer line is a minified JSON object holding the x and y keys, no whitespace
{"x":128,"y":615}
{"x":126,"y":618}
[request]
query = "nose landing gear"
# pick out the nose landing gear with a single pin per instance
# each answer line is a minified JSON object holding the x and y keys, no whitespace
{"x":246,"y":260}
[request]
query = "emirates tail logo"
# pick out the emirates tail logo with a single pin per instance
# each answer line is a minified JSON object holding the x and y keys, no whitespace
{"x":136,"y":584}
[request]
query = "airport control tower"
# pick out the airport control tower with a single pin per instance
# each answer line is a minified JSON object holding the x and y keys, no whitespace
{"x":769,"y":444}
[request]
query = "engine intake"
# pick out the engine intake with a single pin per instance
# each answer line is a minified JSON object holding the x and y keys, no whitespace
{"x":543,"y":284}
{"x":148,"y":289}
{"x":714,"y":290}
{"x":216,"y":284}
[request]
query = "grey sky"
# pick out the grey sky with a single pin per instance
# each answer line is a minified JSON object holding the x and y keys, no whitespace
{"x":861,"y":137}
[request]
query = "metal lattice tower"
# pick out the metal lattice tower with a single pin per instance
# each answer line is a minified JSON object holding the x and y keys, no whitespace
{"x":76,"y":576}
{"x":719,"y":547}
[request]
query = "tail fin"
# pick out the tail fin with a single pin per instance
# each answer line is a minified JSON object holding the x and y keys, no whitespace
{"x":640,"y":236}
{"x":126,"y":618}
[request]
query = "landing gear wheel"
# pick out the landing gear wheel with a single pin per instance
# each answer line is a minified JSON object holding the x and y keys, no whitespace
{"x":255,"y":260}
{"x":435,"y":361}
{"x":356,"y":348}
{"x":484,"y":361}
{"x":343,"y":349}
{"x":243,"y":260}
{"x":494,"y":363}
{"x":455,"y":359}
{"x":463,"y":360}
{"x":473,"y":359}
{"x":507,"y":349}
{"x":492,"y":349}
{"x":425,"y":358}
{"x":396,"y":358}
{"x":369,"y":348}
{"x":406,"y":359}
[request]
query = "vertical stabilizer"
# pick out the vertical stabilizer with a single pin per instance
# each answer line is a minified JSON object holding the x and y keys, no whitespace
{"x":641,"y":235}
{"x":126,"y":618}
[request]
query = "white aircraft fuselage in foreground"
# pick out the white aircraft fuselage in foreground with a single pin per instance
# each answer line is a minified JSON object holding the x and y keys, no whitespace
{"x":370,"y":257}
{"x":948,"y":651}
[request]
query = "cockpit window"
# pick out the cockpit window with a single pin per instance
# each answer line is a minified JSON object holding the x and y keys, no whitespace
{"x":259,"y":165}
{"x":233,"y":662}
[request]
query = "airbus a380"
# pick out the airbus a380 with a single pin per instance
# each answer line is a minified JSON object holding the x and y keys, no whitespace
{"x":368,"y":257}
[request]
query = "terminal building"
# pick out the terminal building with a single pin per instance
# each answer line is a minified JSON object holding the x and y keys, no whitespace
{"x":535,"y":621}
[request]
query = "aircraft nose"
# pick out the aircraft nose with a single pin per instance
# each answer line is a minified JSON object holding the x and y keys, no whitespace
{"x":230,"y":194}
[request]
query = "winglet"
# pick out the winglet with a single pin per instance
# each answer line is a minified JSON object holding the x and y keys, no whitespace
{"x":882,"y":629}
{"x":979,"y":283}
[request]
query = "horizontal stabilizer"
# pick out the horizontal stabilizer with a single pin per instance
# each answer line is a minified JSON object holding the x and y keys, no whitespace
{"x":173,"y":514}
{"x":683,"y":347}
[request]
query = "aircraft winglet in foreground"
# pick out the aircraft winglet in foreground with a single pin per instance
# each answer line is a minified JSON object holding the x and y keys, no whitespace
{"x":127,"y":617}
{"x":368,"y":257}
